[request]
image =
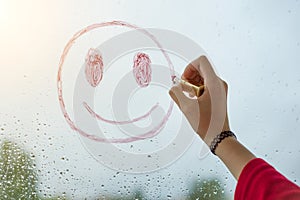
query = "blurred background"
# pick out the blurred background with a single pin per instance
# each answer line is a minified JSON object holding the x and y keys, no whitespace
{"x":254,"y":46}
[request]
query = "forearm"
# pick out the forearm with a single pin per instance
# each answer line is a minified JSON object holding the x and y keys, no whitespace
{"x":234,"y":155}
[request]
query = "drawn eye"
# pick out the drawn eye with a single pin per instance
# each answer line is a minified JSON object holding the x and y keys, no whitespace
{"x":142,"y":69}
{"x":93,"y":67}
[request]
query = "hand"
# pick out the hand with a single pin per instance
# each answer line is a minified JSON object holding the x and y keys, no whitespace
{"x":206,"y":114}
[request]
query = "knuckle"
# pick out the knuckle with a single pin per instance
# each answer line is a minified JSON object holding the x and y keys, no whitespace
{"x":202,"y":58}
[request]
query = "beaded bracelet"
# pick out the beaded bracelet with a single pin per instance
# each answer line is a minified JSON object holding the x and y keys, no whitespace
{"x":218,"y":139}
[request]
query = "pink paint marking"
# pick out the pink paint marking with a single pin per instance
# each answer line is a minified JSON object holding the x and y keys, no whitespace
{"x":94,"y":114}
{"x":142,"y":69}
{"x":93,"y":67}
{"x":142,"y":73}
{"x":71,"y":123}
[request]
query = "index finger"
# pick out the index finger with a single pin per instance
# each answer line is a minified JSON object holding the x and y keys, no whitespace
{"x":192,"y":75}
{"x":199,"y":71}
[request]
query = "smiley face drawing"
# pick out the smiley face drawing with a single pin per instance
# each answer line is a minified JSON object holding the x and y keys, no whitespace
{"x":93,"y":72}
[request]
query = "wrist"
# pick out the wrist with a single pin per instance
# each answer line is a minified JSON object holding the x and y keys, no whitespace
{"x":225,"y":146}
{"x":210,"y":136}
{"x":219,"y":139}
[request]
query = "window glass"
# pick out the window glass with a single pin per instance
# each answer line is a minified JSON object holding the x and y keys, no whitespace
{"x":87,"y":115}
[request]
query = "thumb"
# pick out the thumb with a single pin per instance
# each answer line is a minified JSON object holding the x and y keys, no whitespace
{"x":189,"y":107}
{"x":176,"y":93}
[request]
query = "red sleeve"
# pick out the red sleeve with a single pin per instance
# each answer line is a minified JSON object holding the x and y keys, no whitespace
{"x":260,"y":181}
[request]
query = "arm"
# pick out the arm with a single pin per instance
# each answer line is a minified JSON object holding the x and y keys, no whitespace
{"x":211,"y":107}
{"x":234,"y":155}
{"x":256,"y":178}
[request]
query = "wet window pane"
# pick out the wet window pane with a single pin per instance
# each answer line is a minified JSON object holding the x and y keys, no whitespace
{"x":87,"y":115}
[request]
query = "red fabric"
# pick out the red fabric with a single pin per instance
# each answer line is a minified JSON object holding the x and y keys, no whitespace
{"x":259,"y":180}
